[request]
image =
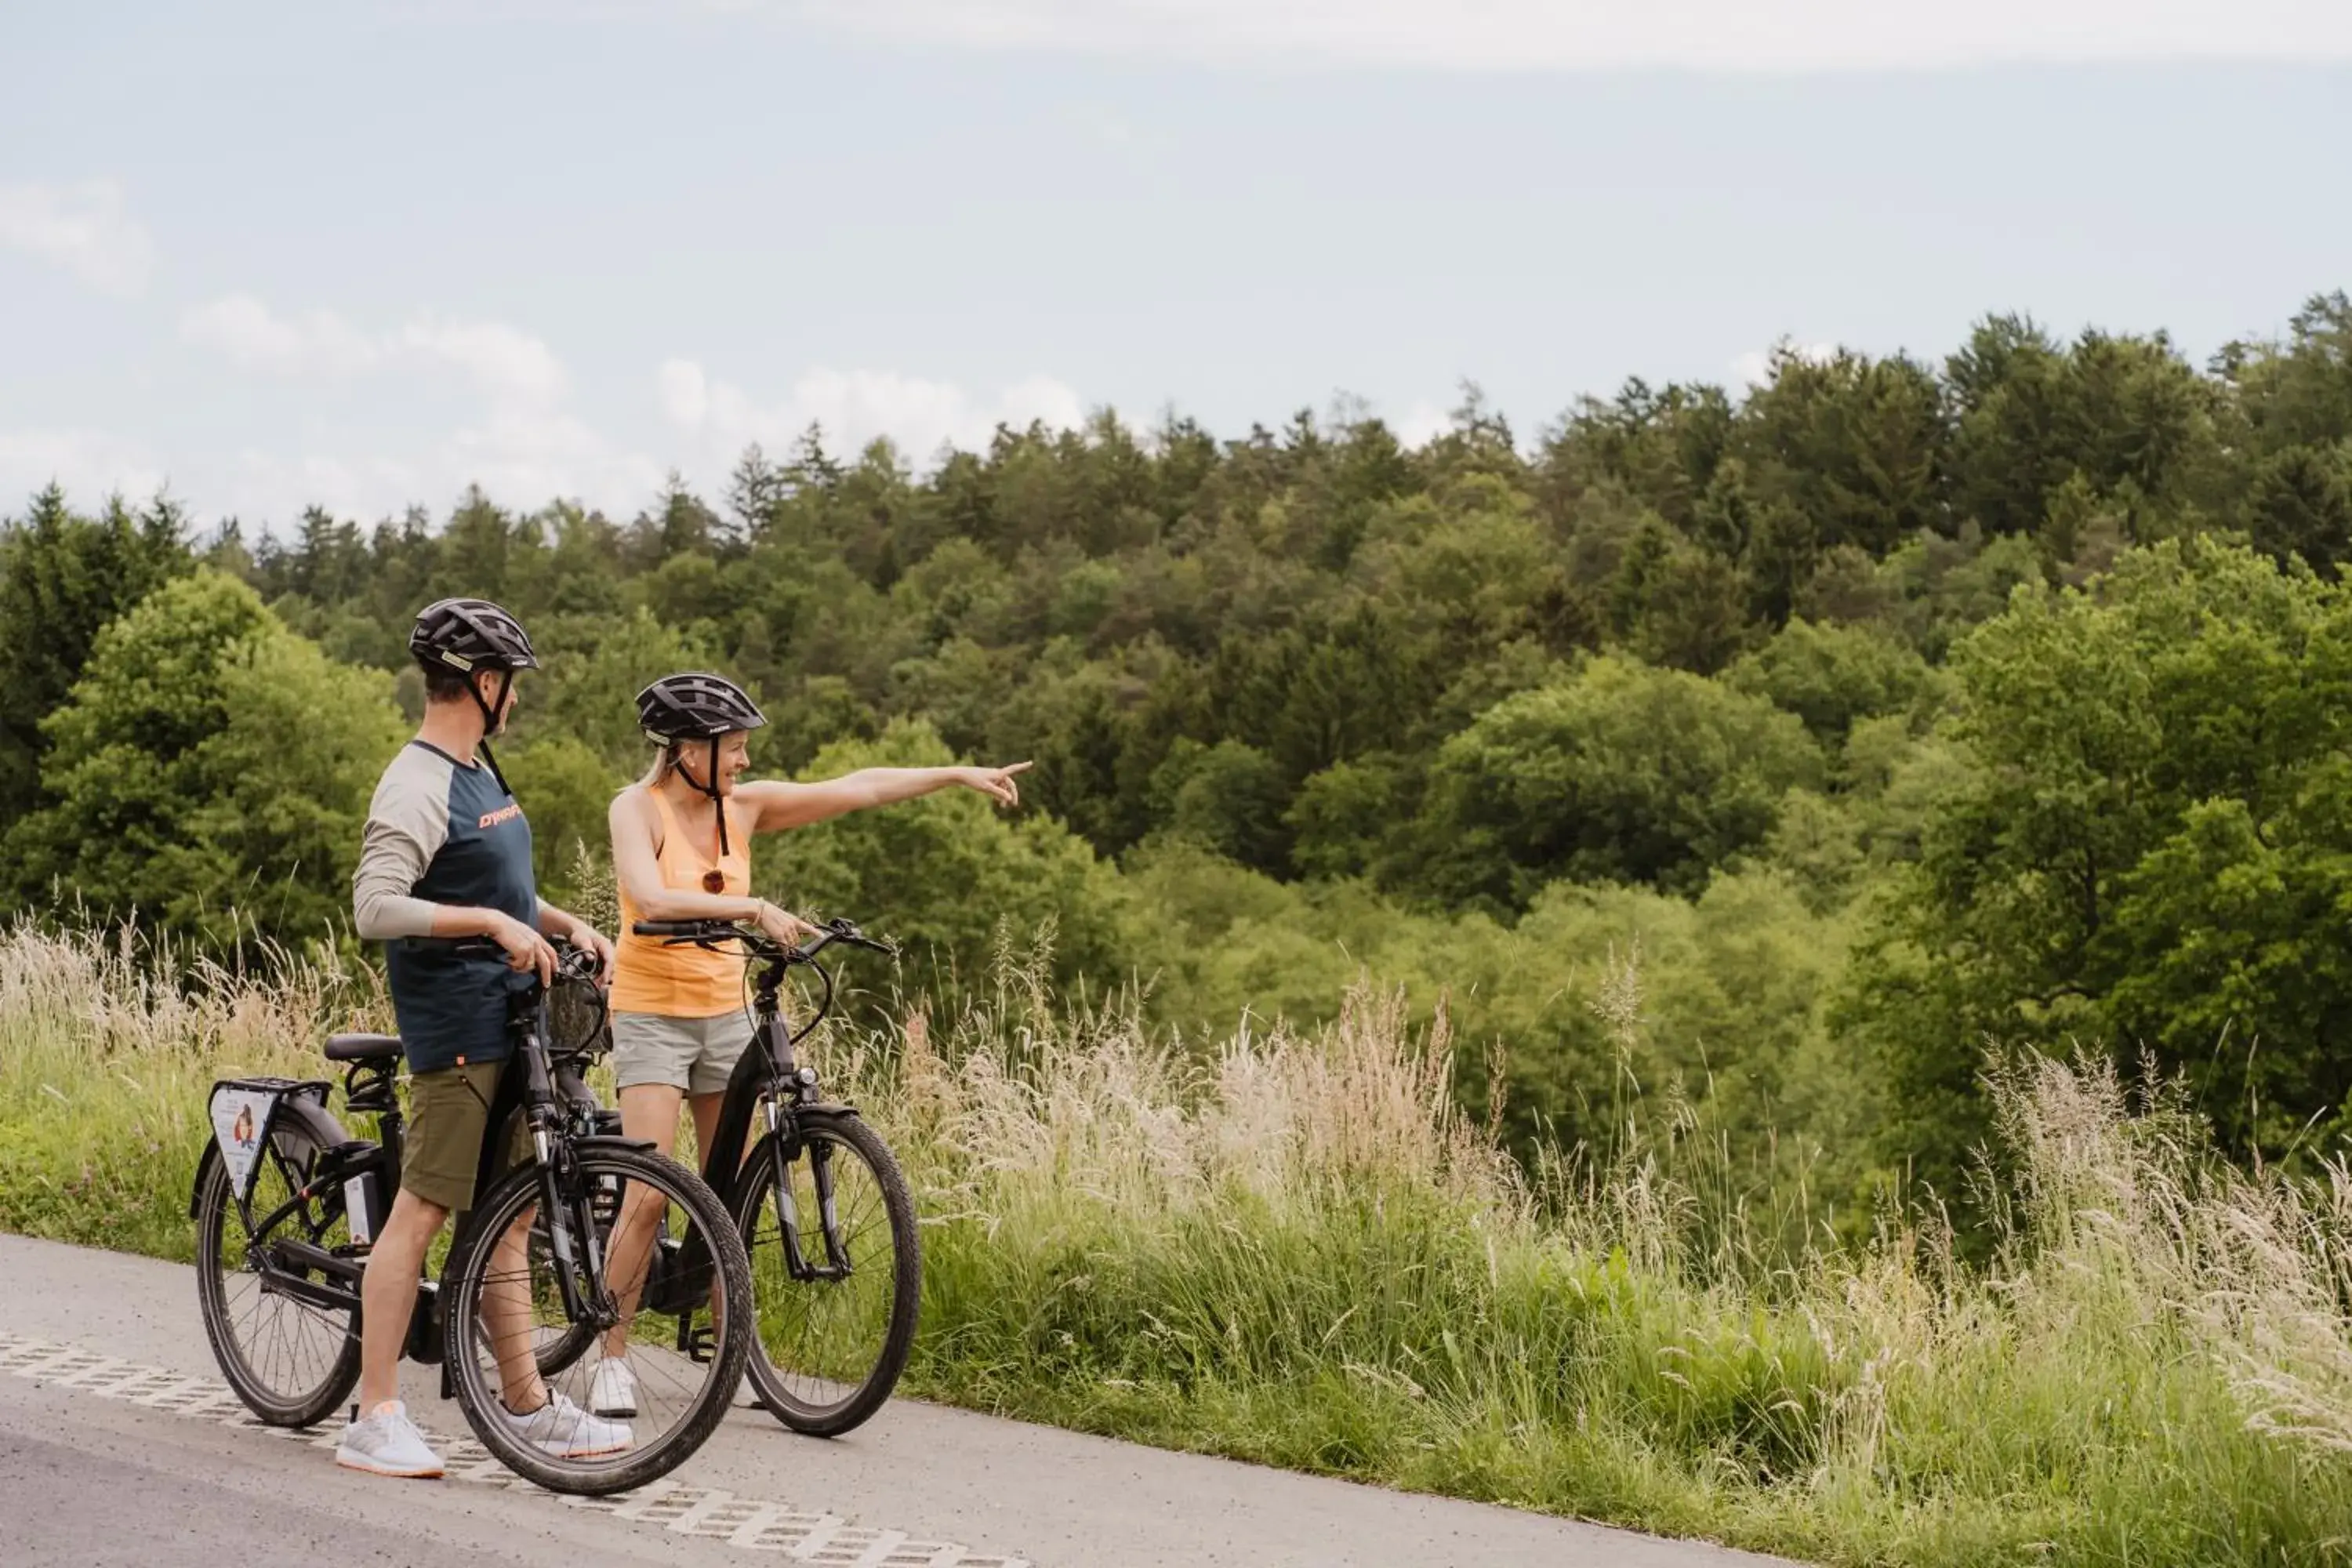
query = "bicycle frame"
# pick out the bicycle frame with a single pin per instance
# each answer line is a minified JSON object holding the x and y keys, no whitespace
{"x":768,"y":1081}
{"x":768,"y":1078}
{"x":546,"y":1092}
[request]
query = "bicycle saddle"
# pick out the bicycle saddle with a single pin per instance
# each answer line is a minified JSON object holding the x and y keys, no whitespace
{"x":362,"y":1048}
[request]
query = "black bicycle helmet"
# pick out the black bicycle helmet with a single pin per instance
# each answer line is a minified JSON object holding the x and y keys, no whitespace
{"x":695,"y":706}
{"x":468,"y":635}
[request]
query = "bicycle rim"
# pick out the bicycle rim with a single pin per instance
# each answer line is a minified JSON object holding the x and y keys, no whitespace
{"x":291,"y":1362}
{"x":829,"y":1348}
{"x":507,"y":1297}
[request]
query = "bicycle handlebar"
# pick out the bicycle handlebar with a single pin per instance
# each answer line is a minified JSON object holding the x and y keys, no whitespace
{"x":571,"y":962}
{"x":682,"y":929}
{"x":709,"y":933}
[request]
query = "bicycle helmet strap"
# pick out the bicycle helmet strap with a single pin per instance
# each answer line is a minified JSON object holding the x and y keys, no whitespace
{"x":717,"y":800}
{"x":490,"y":722}
{"x":709,"y":787}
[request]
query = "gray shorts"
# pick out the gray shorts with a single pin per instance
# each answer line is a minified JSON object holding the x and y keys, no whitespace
{"x":694,"y":1055}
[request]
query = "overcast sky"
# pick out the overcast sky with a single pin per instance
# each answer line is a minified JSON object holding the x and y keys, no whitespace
{"x":364,"y":253}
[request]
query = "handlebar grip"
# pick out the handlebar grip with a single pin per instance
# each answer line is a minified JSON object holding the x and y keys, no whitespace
{"x":680,"y":928}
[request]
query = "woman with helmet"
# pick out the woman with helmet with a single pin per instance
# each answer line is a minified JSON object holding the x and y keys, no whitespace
{"x":682,"y":850}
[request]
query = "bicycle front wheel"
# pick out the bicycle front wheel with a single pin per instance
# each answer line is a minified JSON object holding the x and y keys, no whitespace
{"x":836,"y":1271}
{"x":686,"y":1345}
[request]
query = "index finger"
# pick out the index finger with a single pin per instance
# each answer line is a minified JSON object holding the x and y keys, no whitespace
{"x":1013,"y":768}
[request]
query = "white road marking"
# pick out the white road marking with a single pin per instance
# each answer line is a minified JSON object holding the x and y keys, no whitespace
{"x":706,"y":1513}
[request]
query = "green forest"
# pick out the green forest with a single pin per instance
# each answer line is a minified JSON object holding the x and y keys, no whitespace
{"x":1871,"y":724}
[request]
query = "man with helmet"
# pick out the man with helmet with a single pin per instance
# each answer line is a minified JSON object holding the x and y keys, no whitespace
{"x":446,"y":854}
{"x":681,"y":851}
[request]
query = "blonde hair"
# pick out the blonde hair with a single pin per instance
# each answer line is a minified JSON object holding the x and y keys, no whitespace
{"x":664,"y":759}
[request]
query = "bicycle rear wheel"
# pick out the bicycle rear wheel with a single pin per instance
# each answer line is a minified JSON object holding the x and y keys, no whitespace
{"x":500,"y":1294}
{"x":291,"y":1359}
{"x":834,"y":1333}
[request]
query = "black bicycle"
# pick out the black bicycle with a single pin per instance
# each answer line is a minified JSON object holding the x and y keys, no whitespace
{"x":285,"y":1205}
{"x":837,"y":1305}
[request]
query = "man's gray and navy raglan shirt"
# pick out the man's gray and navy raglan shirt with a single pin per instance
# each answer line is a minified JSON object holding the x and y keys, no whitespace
{"x":443,"y":832}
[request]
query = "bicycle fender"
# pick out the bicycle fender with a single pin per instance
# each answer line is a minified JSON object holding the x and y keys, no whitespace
{"x":204,"y":1164}
{"x":799,"y":1119}
{"x":313,"y":1120}
{"x":613,"y":1140}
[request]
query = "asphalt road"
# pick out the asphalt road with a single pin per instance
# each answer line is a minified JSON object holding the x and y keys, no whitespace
{"x":117,"y":1447}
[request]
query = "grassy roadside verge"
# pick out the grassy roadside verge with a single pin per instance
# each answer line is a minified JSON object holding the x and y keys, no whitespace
{"x":1291,"y":1250}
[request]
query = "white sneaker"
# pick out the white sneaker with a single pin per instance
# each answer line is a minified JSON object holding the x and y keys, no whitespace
{"x":564,"y":1430}
{"x":388,"y":1443}
{"x":614,"y":1390}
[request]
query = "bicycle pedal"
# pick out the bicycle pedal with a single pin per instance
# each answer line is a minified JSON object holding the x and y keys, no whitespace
{"x":700,"y":1344}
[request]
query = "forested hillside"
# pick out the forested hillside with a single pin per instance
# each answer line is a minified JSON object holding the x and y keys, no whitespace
{"x":1738,"y":766}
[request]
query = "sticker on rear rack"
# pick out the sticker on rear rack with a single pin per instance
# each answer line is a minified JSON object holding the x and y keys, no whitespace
{"x":240,"y":1121}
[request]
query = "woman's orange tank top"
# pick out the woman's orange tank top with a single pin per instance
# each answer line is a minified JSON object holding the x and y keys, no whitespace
{"x":683,"y":982}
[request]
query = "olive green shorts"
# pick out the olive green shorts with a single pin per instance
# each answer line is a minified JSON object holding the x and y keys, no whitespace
{"x":448,"y":1111}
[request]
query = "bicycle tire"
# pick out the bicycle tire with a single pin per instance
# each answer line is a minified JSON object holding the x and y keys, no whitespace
{"x":831,"y":1418}
{"x":216,"y":1211}
{"x":477,"y":1387}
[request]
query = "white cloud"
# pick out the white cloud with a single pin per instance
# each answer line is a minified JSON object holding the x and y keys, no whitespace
{"x":855,"y":406}
{"x":267,"y":489}
{"x":1754,"y":368}
{"x":519,"y":443}
{"x":1574,"y":35}
{"x":88,"y":464}
{"x":685,"y":392}
{"x":519,"y":439}
{"x":504,"y":361}
{"x":1423,"y":423}
{"x":524,"y":456}
{"x":84,"y":228}
{"x":250,"y":335}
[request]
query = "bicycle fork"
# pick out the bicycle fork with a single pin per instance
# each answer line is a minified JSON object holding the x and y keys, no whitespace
{"x":577,"y":1253}
{"x":788,"y":1218}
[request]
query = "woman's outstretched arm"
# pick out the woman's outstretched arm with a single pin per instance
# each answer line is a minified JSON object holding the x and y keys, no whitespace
{"x":781,"y":805}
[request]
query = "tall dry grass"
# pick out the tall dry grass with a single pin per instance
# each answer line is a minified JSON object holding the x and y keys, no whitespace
{"x":1292,"y":1247}
{"x":108,"y":1047}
